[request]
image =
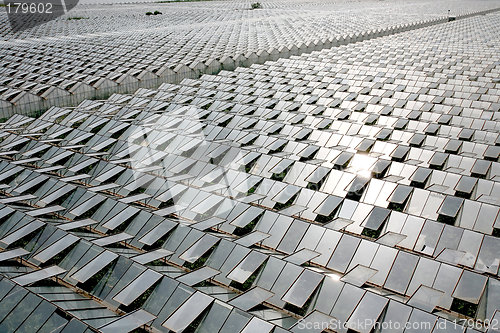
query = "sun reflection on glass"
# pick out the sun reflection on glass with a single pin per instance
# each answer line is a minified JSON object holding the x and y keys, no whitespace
{"x":362,"y":164}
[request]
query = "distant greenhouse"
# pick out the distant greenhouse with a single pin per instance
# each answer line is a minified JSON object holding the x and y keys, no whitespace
{"x":354,"y":188}
{"x":117,"y":49}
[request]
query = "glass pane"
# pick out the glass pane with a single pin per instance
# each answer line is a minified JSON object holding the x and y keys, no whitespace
{"x":368,"y":311}
{"x":94,"y":266}
{"x":395,"y":318}
{"x":401,"y":272}
{"x":343,"y":253}
{"x":188,"y":312}
{"x":426,"y":298}
{"x":199,"y":248}
{"x":38,"y":275}
{"x":197,"y":276}
{"x":470,"y":287}
{"x":309,"y":324}
{"x":251,"y":298}
{"x":37,"y":318}
{"x":302,"y":256}
{"x":56,"y":248}
{"x":247,"y":267}
{"x":302,"y":288}
{"x":138,"y":286}
{"x":128,"y":322}
{"x":359,"y":275}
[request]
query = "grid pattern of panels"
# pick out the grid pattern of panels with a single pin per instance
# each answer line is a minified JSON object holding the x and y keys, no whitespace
{"x":356,"y":183}
{"x":118,"y":49}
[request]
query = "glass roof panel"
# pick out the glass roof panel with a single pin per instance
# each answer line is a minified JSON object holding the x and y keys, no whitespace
{"x":188,"y":311}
